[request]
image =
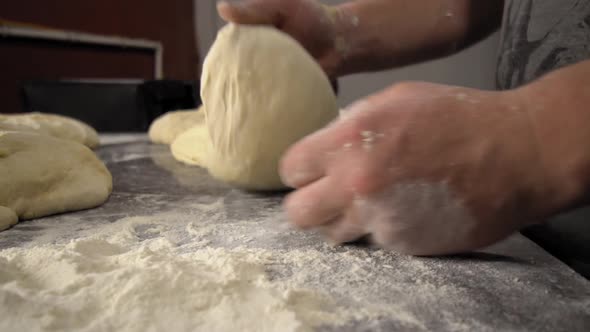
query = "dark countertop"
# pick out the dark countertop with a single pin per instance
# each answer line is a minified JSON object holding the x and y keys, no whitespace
{"x":513,"y":285}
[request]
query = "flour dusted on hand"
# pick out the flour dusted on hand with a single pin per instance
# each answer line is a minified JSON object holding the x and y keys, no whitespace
{"x":262,"y":92}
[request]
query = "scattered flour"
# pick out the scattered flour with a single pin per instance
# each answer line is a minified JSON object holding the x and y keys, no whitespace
{"x":137,"y":275}
{"x":194,"y":265}
{"x":119,"y":282}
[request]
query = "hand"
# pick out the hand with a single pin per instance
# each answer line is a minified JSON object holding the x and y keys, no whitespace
{"x":358,"y":36}
{"x":423,"y":169}
{"x":308,"y":21}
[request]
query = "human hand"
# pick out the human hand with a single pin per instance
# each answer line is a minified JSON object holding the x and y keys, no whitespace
{"x":423,"y":169}
{"x":312,"y":24}
{"x":357,"y":36}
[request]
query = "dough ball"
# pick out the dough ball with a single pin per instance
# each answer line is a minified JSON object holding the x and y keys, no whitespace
{"x":43,"y":175}
{"x":262,"y":92}
{"x":168,"y":126}
{"x":7,"y":218}
{"x":52,"y":125}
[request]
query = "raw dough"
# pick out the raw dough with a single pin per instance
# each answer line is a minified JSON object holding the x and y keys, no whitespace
{"x":262,"y":92}
{"x":7,"y":218}
{"x":193,"y":140}
{"x":52,"y":125}
{"x":167,"y":127}
{"x":43,"y":175}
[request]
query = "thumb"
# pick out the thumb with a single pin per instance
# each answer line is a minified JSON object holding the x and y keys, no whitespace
{"x":252,"y":12}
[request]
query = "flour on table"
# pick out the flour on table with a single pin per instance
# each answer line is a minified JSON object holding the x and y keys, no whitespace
{"x":196,"y":266}
{"x":130,"y":278}
{"x":98,"y":284}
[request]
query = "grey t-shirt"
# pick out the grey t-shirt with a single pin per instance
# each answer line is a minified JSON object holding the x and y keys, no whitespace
{"x":539,"y":36}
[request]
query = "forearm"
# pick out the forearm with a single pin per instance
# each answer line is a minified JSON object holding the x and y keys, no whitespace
{"x":559,"y":109}
{"x":379,"y":34}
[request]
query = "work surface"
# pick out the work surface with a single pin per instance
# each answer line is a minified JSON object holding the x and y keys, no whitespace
{"x":514,"y":285}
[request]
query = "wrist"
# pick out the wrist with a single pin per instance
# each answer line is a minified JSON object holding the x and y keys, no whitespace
{"x":376,"y":35}
{"x":561,"y":136}
{"x":344,"y":21}
{"x":359,"y":42}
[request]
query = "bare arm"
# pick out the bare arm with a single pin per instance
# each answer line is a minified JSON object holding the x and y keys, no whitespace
{"x":558,"y":106}
{"x":396,"y":33}
{"x":366,"y":35}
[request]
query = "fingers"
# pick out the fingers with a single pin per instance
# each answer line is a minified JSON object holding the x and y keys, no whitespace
{"x":346,"y":229}
{"x":305,"y":161}
{"x":299,"y":168}
{"x":252,"y":12}
{"x":316,"y":204}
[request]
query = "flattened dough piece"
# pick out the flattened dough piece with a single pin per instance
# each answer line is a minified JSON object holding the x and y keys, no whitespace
{"x":262,"y":92}
{"x":51,"y":124}
{"x":43,"y":175}
{"x":192,"y":146}
{"x":166,"y":128}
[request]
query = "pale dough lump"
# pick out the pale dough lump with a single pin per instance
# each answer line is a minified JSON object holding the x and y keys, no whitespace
{"x":43,"y":175}
{"x":262,"y":92}
{"x":166,"y":128}
{"x":52,"y":125}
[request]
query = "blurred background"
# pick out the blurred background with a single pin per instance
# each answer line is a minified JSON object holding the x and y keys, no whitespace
{"x":136,"y":59}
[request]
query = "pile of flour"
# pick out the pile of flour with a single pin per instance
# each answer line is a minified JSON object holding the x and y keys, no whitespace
{"x":119,"y":282}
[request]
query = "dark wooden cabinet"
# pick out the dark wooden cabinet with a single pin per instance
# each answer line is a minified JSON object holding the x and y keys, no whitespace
{"x":168,"y":22}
